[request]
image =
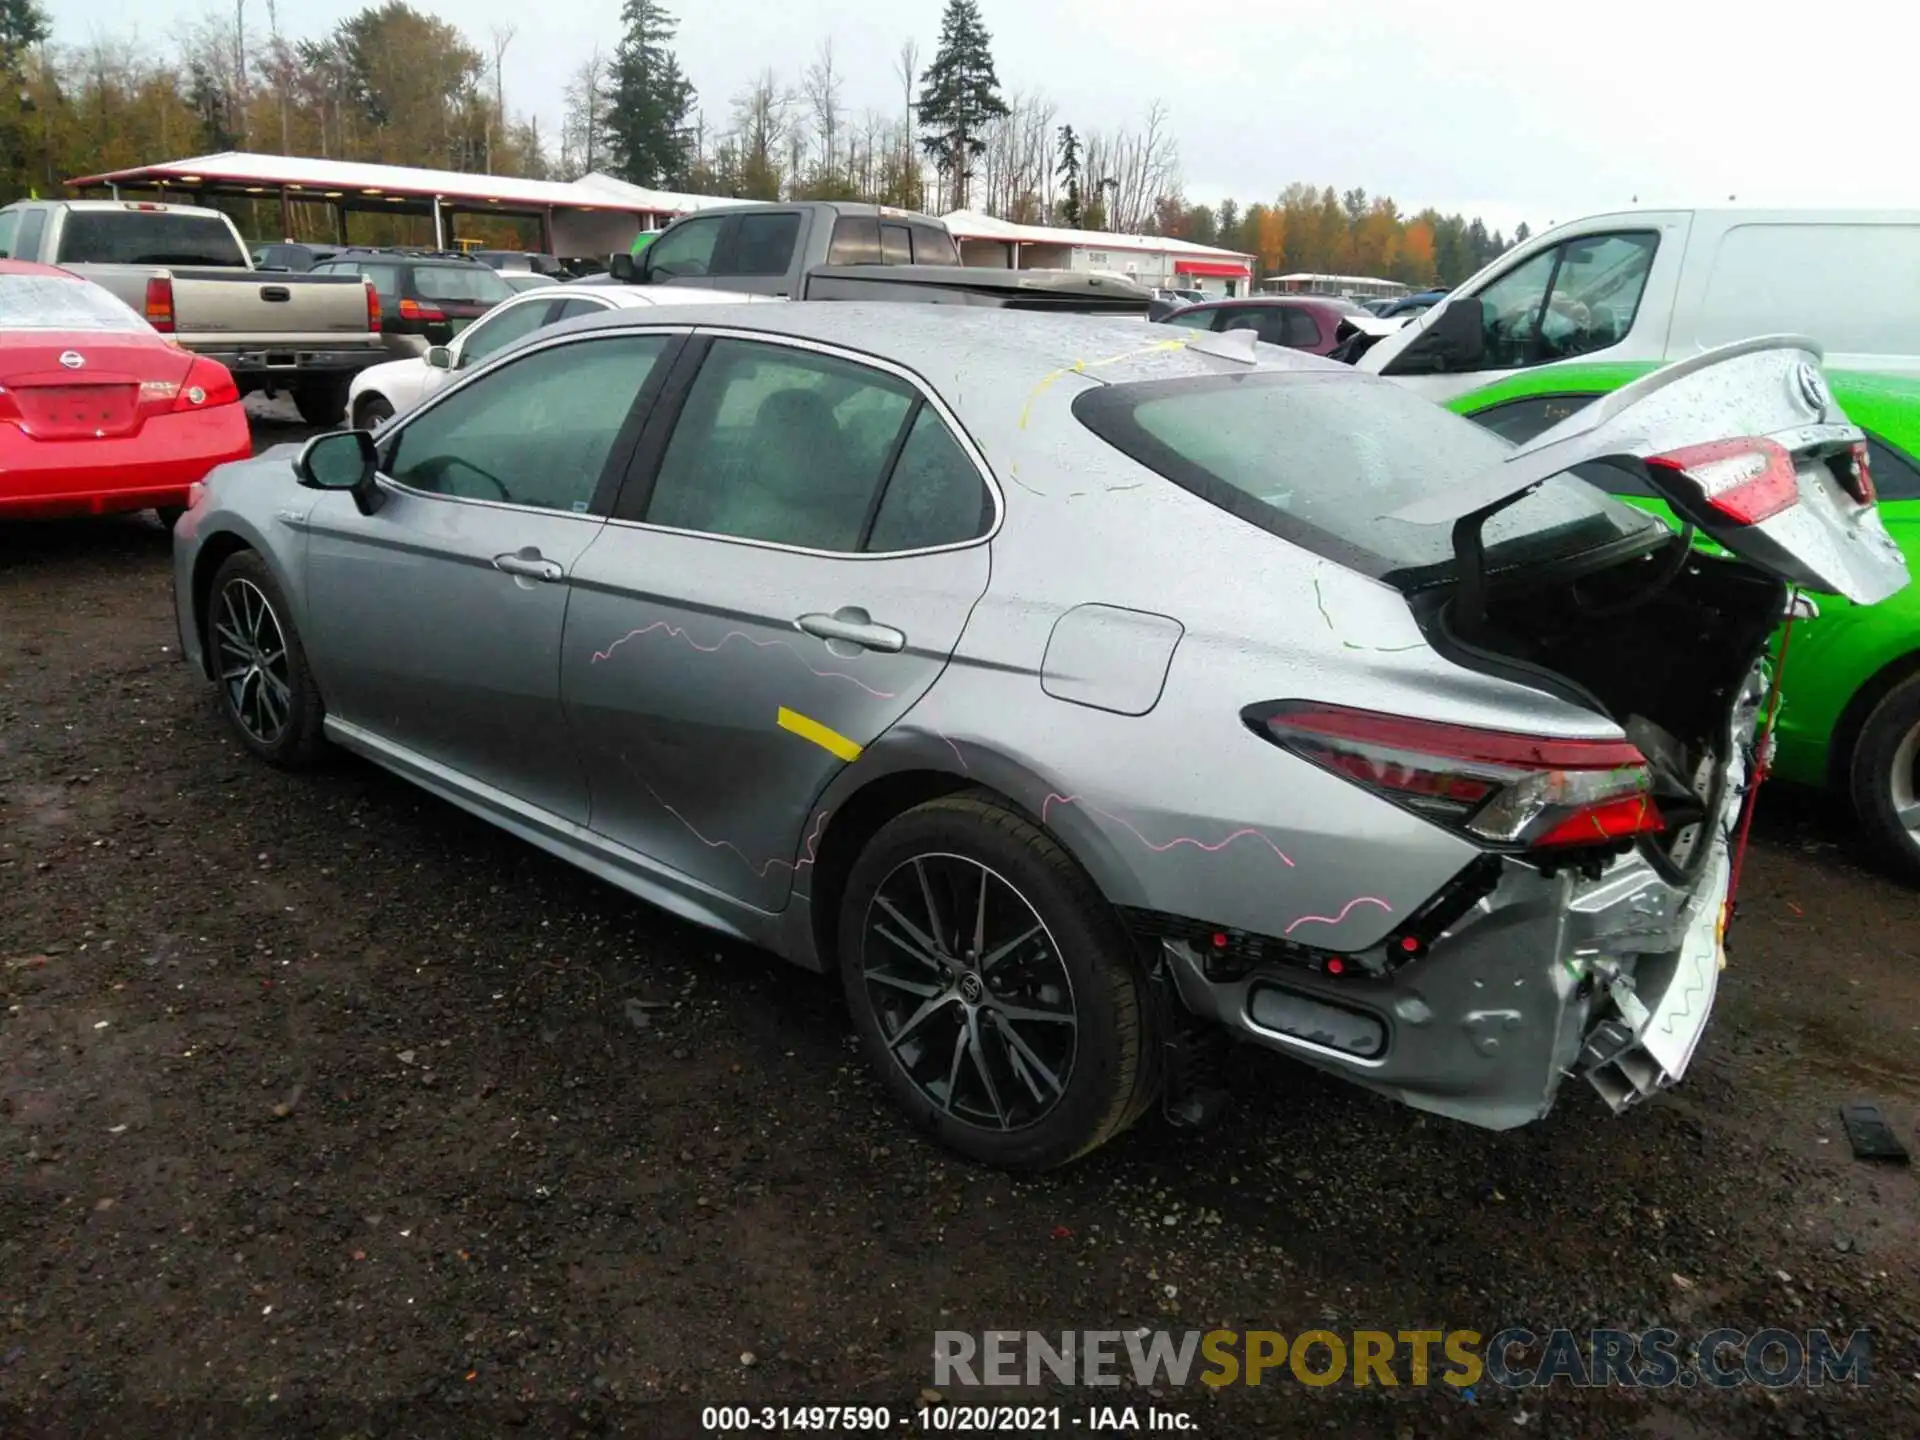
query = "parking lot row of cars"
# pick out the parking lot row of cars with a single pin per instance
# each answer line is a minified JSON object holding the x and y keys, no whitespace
{"x":873,"y":633}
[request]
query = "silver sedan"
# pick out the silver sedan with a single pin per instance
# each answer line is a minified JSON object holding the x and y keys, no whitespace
{"x":1086,"y":697}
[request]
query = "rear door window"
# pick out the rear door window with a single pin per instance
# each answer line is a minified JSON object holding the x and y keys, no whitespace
{"x":933,"y":247}
{"x":9,"y":224}
{"x":781,"y":445}
{"x":1323,"y":459}
{"x":856,"y":241}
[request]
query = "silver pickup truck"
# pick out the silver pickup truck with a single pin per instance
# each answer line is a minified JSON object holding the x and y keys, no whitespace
{"x":187,"y":271}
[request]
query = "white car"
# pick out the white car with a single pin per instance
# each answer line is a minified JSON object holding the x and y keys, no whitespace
{"x":382,"y":391}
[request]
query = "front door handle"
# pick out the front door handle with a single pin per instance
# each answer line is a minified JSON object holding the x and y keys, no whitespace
{"x":853,"y":626}
{"x":529,"y":565}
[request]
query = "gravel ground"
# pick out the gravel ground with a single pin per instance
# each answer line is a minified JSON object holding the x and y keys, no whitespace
{"x":326,"y":1109}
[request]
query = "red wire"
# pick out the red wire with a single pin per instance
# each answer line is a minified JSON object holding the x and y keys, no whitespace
{"x":1763,"y":762}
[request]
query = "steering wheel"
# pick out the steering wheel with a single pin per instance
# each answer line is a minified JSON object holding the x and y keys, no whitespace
{"x":439,"y":471}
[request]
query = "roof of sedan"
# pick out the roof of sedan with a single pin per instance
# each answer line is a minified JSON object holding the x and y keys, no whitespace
{"x":978,"y":345}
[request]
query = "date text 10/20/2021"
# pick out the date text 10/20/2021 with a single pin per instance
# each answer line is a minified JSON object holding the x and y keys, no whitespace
{"x":857,"y":1420}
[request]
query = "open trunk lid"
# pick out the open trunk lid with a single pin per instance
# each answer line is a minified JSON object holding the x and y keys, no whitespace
{"x":1746,"y":443}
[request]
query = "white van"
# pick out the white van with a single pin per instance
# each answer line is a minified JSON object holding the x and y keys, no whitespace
{"x":1649,"y":286}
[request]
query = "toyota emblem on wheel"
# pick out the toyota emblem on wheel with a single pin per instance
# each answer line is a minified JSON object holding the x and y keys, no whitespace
{"x":72,"y":359}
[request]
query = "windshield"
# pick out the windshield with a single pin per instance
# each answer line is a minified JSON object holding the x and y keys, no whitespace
{"x":46,"y":302}
{"x":474,"y":283}
{"x":1322,"y":459}
{"x":147,"y":237}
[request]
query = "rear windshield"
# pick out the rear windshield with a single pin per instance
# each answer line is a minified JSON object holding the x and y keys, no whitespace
{"x":46,"y":302}
{"x":147,"y":237}
{"x":1322,"y":459}
{"x":475,"y":283}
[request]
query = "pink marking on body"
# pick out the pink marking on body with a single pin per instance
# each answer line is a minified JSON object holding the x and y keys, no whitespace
{"x":1344,"y":910}
{"x":1210,"y":846}
{"x":760,"y":870}
{"x":682,"y":635}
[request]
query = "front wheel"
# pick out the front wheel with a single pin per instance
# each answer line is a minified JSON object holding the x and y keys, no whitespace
{"x":321,"y":402}
{"x":266,"y":690}
{"x":993,"y":988}
{"x":371,"y":411}
{"x":1885,"y":780}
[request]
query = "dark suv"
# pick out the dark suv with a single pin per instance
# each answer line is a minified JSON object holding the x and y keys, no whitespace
{"x":426,"y":296}
{"x":291,"y":255}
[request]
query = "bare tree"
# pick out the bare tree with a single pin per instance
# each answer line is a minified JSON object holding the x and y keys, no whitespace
{"x":821,"y":88}
{"x":1017,"y":170}
{"x":502,"y":37}
{"x":906,"y":161}
{"x":1126,"y":171}
{"x":761,"y":123}
{"x":240,"y":69}
{"x":583,"y":136}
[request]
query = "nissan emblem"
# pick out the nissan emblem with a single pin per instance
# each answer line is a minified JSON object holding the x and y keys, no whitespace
{"x":72,"y":359}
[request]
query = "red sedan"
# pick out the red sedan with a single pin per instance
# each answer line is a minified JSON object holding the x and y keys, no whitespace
{"x":98,"y":411}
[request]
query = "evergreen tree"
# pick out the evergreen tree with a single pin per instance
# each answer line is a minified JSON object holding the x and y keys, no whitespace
{"x":959,"y":95}
{"x":650,"y":99}
{"x":1069,"y":173}
{"x":23,"y":24}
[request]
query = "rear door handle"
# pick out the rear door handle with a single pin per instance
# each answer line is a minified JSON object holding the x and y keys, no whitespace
{"x":529,"y":565}
{"x":854,"y":626}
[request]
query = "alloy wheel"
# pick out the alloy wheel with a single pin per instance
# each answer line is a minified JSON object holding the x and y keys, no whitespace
{"x":1904,"y":784}
{"x":974,"y":1002}
{"x":250,"y":650}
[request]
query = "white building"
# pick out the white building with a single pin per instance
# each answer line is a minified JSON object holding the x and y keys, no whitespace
{"x":1153,"y":260}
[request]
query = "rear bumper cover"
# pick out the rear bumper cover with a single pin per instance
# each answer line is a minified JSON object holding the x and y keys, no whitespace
{"x":257,"y":366}
{"x":1547,"y":977}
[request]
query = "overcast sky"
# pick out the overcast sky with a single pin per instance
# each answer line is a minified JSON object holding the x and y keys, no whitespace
{"x":1510,"y":110}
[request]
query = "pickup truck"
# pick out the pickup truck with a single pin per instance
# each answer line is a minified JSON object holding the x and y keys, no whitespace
{"x":188,"y":272}
{"x":833,"y":250}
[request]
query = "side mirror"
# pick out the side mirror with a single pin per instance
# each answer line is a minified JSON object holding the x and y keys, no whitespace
{"x":342,"y":460}
{"x":439,"y":357}
{"x":621,"y":266}
{"x":1455,"y":339}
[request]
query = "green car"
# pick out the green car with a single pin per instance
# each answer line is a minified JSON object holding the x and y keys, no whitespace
{"x":1850,"y":688}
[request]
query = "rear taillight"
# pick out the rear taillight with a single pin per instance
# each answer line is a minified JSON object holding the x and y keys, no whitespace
{"x":159,"y":307}
{"x":208,"y":383}
{"x":8,"y":409}
{"x":1855,"y":469}
{"x":373,"y":308}
{"x":1527,"y":792}
{"x":414,"y":310}
{"x":1746,"y":480}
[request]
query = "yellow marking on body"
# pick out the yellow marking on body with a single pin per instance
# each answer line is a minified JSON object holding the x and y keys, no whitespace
{"x":832,"y":741}
{"x":1080,"y":367}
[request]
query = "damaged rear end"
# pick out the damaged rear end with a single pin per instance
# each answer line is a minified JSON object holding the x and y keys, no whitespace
{"x":1587,"y":938}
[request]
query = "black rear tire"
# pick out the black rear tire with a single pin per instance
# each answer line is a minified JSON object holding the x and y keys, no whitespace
{"x":321,"y":402}
{"x":169,"y":515}
{"x":266,"y":691}
{"x":1884,"y":780}
{"x":942,"y":1029}
{"x":371,"y":412}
